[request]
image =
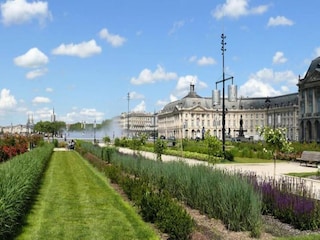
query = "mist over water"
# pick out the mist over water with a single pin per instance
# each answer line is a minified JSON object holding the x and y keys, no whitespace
{"x":113,"y":131}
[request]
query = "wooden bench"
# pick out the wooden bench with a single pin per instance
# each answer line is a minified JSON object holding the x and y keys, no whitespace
{"x":309,"y":157}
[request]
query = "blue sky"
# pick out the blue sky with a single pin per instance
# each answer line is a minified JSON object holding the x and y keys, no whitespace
{"x":82,"y":58}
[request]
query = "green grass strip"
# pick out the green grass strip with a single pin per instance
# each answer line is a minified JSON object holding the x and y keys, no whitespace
{"x":77,"y":202}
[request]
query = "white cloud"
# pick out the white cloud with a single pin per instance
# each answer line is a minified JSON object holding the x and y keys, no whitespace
{"x":114,"y":40}
{"x":91,"y":113}
{"x":183,"y":86}
{"x":48,"y":89}
{"x":141,"y":107}
{"x":261,"y":83}
{"x":43,"y":114}
{"x":257,"y":88}
{"x":193,"y":58}
{"x":236,"y":9}
{"x":279,"y":21}
{"x":38,"y":100}
{"x":316,"y":53}
{"x":176,"y":26}
{"x":32,"y":59}
{"x":147,"y":76}
{"x":20,"y":11}
{"x":162,"y":103}
{"x":7,"y":101}
{"x":36,"y":73}
{"x":135,"y":95}
{"x":205,"y":61}
{"x":83,"y":50}
{"x":88,"y":115}
{"x":279,"y":58}
{"x":173,"y":98}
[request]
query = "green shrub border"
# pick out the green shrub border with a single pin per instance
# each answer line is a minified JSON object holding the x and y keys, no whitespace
{"x":19,"y":182}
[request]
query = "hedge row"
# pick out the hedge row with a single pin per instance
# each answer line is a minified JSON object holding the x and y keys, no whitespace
{"x":19,"y":182}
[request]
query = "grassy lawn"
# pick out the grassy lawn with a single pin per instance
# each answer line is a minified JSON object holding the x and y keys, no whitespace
{"x":308,"y":237}
{"x":253,"y":160}
{"x":77,"y":202}
{"x":304,"y":174}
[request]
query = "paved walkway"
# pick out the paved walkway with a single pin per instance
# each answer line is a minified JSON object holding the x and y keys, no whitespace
{"x":262,"y":169}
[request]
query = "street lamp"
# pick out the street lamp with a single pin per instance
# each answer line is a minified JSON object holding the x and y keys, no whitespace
{"x":223,"y":37}
{"x":128,"y":125}
{"x":94,"y":131}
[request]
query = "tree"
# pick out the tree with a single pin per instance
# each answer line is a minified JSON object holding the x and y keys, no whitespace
{"x":214,"y":146}
{"x":159,"y":148}
{"x":49,"y":127}
{"x":107,"y":139}
{"x":276,"y":140}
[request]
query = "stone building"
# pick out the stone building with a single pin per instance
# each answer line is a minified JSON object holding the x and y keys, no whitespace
{"x":193,"y":115}
{"x":309,"y":103}
{"x":19,"y":129}
{"x":135,"y":123}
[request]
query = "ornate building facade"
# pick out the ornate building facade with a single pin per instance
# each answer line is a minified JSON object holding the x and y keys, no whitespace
{"x":135,"y":123}
{"x":309,"y":103}
{"x":193,"y":115}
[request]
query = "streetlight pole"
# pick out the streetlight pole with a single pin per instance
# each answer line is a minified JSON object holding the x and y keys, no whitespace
{"x":154,"y":128}
{"x":223,"y":37}
{"x":94,"y":131}
{"x":128,"y":115}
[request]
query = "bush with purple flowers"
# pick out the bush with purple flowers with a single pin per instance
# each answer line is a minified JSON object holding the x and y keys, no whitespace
{"x":289,"y":200}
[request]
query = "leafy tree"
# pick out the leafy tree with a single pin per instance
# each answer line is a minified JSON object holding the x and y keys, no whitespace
{"x":276,"y":140}
{"x":159,"y":148}
{"x":106,"y":139}
{"x":214,"y":146}
{"x":135,"y":145}
{"x":143,"y":138}
{"x":49,"y":127}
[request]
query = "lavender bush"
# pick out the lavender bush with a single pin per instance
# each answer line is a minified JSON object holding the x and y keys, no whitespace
{"x":289,"y":200}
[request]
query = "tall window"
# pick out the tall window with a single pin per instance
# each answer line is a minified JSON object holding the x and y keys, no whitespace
{"x":310,"y":100}
{"x":317,"y":93}
{"x":302,"y":102}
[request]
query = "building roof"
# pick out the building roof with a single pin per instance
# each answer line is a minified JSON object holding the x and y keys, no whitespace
{"x":314,"y":67}
{"x":192,"y":100}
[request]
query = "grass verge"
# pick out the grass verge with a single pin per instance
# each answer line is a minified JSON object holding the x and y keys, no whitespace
{"x":77,"y":202}
{"x":303,"y":174}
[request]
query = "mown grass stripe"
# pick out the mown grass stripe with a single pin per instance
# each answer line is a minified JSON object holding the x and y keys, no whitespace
{"x":77,"y":202}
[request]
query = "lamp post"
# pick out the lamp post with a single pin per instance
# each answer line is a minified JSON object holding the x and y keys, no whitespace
{"x":223,"y":49}
{"x":223,"y":37}
{"x":128,"y":125}
{"x":154,"y":128}
{"x":94,"y":131}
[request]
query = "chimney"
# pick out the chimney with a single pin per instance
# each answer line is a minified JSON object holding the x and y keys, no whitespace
{"x":191,"y":87}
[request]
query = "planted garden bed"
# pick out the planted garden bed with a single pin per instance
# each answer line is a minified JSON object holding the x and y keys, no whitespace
{"x":134,"y":164}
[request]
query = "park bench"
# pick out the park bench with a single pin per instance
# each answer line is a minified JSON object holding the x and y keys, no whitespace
{"x":309,"y":157}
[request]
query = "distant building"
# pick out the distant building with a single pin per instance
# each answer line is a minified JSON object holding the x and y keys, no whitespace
{"x":193,"y":115}
{"x":309,"y":103}
{"x":20,"y":129}
{"x":135,"y":123}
